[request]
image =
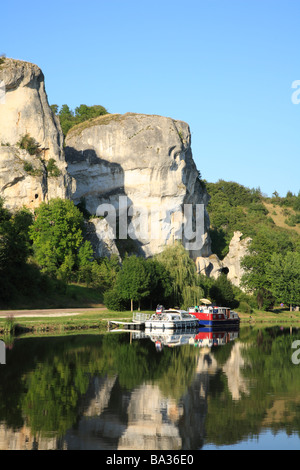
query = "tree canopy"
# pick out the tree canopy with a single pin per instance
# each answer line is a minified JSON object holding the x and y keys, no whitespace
{"x":181,"y":269}
{"x":283,"y":274}
{"x":133,"y":280}
{"x":233,"y":207}
{"x":69,"y":118}
{"x":58,"y":240}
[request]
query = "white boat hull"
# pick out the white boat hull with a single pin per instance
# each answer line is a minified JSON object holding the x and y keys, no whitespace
{"x":171,"y":320}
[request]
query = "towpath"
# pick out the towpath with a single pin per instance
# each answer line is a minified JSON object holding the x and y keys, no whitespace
{"x":54,"y":312}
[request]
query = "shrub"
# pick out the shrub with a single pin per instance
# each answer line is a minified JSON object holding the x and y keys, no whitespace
{"x":30,"y":144}
{"x":28,"y":167}
{"x":52,"y":168}
{"x":113,"y":300}
{"x":30,"y":170}
{"x":245,"y":307}
{"x":293,"y":220}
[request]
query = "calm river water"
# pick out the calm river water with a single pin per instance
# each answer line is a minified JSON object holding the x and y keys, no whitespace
{"x":128,"y":391}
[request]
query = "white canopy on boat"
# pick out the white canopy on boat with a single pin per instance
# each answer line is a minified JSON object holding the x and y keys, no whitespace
{"x":205,"y":301}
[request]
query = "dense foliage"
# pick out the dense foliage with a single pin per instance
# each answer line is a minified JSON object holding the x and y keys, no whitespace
{"x":20,"y":277}
{"x":233,"y":207}
{"x":58,"y":239}
{"x":69,"y":118}
{"x":48,"y":249}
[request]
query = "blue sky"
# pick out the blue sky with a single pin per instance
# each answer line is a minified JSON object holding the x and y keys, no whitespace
{"x":226,"y":67}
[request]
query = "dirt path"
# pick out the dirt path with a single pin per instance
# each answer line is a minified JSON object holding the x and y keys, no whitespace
{"x":54,"y":312}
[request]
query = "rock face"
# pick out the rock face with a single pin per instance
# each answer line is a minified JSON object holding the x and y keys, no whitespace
{"x":134,"y":169}
{"x":139,"y":165}
{"x":147,"y":160}
{"x":238,"y":248}
{"x":101,"y":236}
{"x":24,"y":110}
{"x":212,"y":266}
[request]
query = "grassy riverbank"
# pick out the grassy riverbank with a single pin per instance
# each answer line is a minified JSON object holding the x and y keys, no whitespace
{"x":72,"y":296}
{"x":58,"y":320}
{"x":62,"y":321}
{"x":276,"y":316}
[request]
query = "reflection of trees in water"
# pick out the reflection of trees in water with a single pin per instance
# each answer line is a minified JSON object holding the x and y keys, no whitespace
{"x":272,"y":376}
{"x":49,"y":384}
{"x":47,"y":378}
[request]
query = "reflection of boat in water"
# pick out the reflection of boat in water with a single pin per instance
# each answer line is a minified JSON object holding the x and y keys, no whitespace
{"x":172,"y":338}
{"x":171,"y":319}
{"x":209,"y":337}
{"x":209,"y":315}
{"x":200,"y":337}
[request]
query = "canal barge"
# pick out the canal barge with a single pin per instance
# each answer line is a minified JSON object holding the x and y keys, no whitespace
{"x":171,"y":319}
{"x":210,"y":315}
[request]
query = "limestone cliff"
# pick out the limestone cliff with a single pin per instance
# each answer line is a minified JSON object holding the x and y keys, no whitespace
{"x":212,"y":266}
{"x":238,"y":248}
{"x":24,"y":110}
{"x":147,"y":160}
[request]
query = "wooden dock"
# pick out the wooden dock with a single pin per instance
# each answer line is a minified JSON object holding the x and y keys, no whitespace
{"x":137,"y":323}
{"x":113,"y":324}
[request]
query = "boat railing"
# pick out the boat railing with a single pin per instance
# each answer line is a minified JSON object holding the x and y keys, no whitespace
{"x":140,"y":317}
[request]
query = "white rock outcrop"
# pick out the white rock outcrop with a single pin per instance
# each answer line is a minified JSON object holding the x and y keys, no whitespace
{"x":238,"y":248}
{"x":212,"y":266}
{"x":24,"y":110}
{"x":147,"y":160}
{"x":101,"y":236}
{"x":144,"y":160}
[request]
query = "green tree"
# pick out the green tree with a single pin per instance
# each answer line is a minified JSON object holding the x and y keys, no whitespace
{"x":133,"y":280}
{"x":296,"y":205}
{"x":283,"y":273}
{"x":58,"y":240}
{"x":84,"y":112}
{"x":222,"y":293}
{"x":68,"y":118}
{"x":100,"y":273}
{"x":54,"y":108}
{"x":160,"y":283}
{"x":182,"y":272}
{"x":266,"y":242}
{"x":15,"y":248}
{"x":233,"y":207}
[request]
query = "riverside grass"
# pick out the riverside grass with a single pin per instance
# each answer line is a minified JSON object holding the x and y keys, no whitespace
{"x":96,"y":321}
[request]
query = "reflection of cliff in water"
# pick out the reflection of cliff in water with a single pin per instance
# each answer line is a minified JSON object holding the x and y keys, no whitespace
{"x":145,"y":418}
{"x":134,"y":397}
{"x":114,"y":392}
